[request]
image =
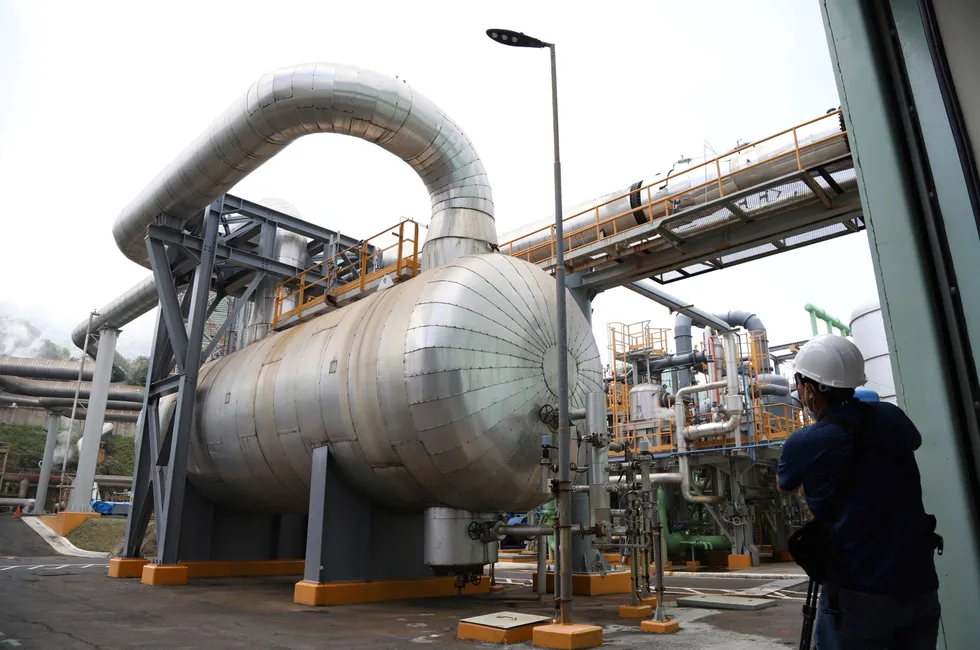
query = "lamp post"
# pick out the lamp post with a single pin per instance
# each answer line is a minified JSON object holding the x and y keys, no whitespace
{"x":564,"y":582}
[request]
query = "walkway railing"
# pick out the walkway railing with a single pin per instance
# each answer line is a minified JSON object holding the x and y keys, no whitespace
{"x":600,"y":228}
{"x":350,"y":271}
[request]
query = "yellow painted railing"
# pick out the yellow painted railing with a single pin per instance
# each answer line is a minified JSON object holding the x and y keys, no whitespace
{"x":366,"y":260}
{"x":608,"y":226}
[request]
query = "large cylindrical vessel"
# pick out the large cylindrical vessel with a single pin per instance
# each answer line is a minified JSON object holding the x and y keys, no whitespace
{"x":868,"y":331}
{"x":427,"y":394}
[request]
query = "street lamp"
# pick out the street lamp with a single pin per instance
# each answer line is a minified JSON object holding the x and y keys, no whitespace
{"x":520,"y":39}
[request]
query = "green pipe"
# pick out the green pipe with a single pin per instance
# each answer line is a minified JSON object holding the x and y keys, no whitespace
{"x":832,"y":322}
{"x":677,"y":542}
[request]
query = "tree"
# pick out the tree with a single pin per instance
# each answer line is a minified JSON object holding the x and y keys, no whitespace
{"x":138,"y":369}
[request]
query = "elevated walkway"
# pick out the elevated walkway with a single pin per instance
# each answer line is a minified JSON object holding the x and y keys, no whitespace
{"x":789,"y":190}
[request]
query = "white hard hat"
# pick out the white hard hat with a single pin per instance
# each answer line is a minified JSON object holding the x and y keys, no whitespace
{"x":832,"y":361}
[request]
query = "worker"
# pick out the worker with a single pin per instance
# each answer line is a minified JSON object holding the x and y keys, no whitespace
{"x":857,"y":466}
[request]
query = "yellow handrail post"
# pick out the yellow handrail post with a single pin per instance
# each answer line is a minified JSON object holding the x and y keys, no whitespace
{"x":275,"y":315}
{"x":796,"y":146}
{"x":415,"y":252}
{"x":721,"y":189}
{"x":401,"y":238}
{"x":553,"y":244}
{"x":364,"y":247}
{"x":302,"y":292}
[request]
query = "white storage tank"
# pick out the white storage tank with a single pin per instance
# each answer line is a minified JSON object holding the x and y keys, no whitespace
{"x":868,"y":332}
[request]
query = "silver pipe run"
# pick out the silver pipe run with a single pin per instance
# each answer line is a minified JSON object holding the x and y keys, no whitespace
{"x":136,"y":301}
{"x":7,"y":399}
{"x":40,"y":388}
{"x":42,"y":368}
{"x":110,"y":415}
{"x":283,"y":106}
{"x":66,"y":402}
{"x":300,"y":100}
{"x":750,"y":166}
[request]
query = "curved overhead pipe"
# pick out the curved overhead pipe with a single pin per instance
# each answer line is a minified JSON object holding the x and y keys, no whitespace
{"x":136,"y":301}
{"x":291,"y":102}
{"x":40,"y":388}
{"x":44,"y":368}
{"x":283,"y":106}
{"x":751,"y":323}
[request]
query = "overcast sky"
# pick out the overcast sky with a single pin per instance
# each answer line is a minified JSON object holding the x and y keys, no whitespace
{"x":96,"y":98}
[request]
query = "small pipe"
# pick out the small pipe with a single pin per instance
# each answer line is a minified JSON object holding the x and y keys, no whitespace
{"x":522,"y":530}
{"x":8,"y":501}
{"x":731,"y":384}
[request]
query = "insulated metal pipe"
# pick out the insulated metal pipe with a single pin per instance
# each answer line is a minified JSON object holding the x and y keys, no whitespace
{"x":522,"y":530}
{"x":65,"y":402}
{"x":7,"y":399}
{"x":42,"y":368}
{"x":295,"y":101}
{"x":68,"y":389}
{"x":683,"y":433}
{"x":10,"y":501}
{"x":283,"y":106}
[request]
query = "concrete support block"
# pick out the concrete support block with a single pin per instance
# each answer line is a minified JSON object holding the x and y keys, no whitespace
{"x":567,"y":637}
{"x":126,"y":567}
{"x":164,"y":574}
{"x":660,"y":627}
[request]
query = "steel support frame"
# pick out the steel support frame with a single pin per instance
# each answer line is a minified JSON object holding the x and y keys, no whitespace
{"x":161,"y":473}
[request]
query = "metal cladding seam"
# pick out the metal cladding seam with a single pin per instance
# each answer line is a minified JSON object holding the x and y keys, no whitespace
{"x":291,"y":102}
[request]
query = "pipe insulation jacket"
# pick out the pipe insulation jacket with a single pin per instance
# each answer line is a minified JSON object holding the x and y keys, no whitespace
{"x":300,"y":100}
{"x":66,"y":389}
{"x":44,"y":368}
{"x":283,"y":106}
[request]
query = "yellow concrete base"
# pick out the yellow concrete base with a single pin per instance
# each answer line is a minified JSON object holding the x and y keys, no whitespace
{"x":591,"y":584}
{"x":164,"y":574}
{"x":65,"y":522}
{"x":514,"y":558}
{"x":486,"y":634}
{"x":694,"y":564}
{"x":567,"y":637}
{"x":345,"y":593}
{"x":785,"y":556}
{"x":739,"y":561}
{"x":635,"y":611}
{"x":244,"y":569}
{"x":496,"y":589}
{"x":660,"y":627}
{"x":649,"y":600}
{"x":126,"y":567}
{"x":613,"y":558}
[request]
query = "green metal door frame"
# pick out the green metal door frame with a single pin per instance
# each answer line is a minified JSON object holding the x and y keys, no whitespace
{"x":916,"y":195}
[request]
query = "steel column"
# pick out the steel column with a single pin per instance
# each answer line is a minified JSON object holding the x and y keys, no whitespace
{"x":168,"y":531}
{"x":54,"y":423}
{"x":81,"y":494}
